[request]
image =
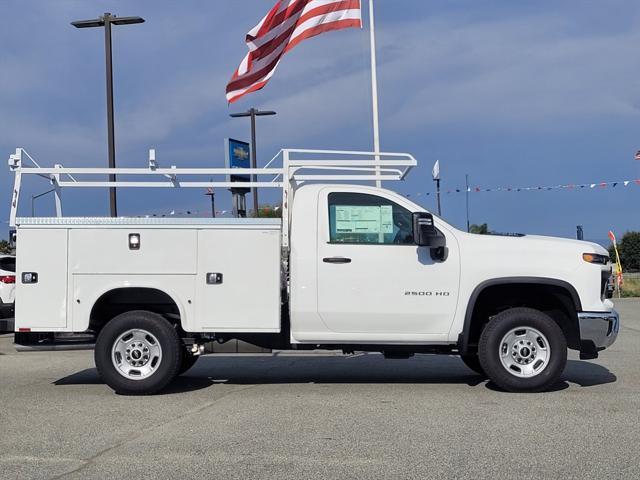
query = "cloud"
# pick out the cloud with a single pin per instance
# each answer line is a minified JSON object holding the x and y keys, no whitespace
{"x":182,"y":100}
{"x":538,"y":70}
{"x":533,"y":73}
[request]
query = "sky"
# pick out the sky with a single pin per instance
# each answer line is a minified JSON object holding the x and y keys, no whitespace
{"x":513,"y":94}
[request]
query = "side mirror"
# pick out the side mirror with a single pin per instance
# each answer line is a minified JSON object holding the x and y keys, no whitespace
{"x":425,"y":233}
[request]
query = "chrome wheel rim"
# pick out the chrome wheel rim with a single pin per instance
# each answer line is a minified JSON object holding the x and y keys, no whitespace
{"x":136,"y":354}
{"x":524,"y":352}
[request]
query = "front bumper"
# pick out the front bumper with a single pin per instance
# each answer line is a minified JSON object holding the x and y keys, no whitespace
{"x":598,"y":330}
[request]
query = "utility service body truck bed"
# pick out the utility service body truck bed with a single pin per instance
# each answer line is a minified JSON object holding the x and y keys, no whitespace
{"x":349,"y":267}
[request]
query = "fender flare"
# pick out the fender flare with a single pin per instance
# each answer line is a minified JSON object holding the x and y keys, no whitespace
{"x":463,"y":338}
{"x":128,"y":285}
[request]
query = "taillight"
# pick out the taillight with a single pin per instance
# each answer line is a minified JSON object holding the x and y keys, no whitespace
{"x":8,"y":279}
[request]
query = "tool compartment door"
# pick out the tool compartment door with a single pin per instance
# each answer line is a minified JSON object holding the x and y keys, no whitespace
{"x":41,"y":305}
{"x":161,"y":251}
{"x":245,"y":295}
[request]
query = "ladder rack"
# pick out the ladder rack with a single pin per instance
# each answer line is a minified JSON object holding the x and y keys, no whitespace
{"x":297,"y":166}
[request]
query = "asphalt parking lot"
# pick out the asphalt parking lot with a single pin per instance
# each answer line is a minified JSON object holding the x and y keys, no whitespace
{"x":321,"y":416}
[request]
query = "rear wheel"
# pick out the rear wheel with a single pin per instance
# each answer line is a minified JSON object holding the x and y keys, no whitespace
{"x":523,"y":350}
{"x":138,"y":353}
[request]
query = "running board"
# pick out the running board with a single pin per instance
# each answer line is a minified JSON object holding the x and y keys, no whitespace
{"x":47,"y":342}
{"x":55,"y":347}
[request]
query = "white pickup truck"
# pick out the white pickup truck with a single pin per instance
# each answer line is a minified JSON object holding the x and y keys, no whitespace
{"x":349,"y":267}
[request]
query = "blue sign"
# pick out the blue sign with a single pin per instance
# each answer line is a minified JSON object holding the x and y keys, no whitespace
{"x":237,"y":155}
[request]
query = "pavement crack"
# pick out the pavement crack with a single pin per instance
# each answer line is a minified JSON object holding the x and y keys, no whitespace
{"x":91,"y":460}
{"x":625,"y":327}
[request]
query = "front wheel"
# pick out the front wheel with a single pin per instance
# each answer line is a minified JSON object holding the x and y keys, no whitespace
{"x":523,"y":350}
{"x":138,"y":353}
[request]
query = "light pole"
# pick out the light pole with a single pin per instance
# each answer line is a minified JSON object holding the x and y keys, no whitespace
{"x":33,"y":198}
{"x":253,"y":113}
{"x":466,"y":192}
{"x":105,"y":21}
{"x":212,"y":194}
{"x":435,"y":173}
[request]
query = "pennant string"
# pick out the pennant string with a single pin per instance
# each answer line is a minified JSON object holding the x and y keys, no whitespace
{"x":569,"y":186}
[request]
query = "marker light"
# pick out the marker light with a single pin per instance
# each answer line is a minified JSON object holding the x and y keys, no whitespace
{"x":595,"y":258}
{"x":134,"y":241}
{"x":29,"y":277}
{"x":8,"y":279}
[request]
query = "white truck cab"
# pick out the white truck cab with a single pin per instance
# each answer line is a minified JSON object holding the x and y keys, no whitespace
{"x":349,"y":267}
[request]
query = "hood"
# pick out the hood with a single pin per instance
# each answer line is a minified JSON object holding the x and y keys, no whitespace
{"x":588,"y":247}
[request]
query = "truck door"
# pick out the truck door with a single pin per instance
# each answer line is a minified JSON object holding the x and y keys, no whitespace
{"x":372,"y":278}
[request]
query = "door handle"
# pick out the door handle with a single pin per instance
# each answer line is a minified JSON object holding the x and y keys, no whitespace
{"x":336,"y":260}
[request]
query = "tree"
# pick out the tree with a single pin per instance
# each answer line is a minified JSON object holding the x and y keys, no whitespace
{"x":5,"y":247}
{"x":479,"y":229}
{"x":629,"y":250}
{"x":270,"y":211}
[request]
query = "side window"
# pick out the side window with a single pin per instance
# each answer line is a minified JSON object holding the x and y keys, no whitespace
{"x":362,"y":218}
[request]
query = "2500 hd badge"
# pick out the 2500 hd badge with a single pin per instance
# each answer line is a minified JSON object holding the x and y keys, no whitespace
{"x":422,"y":293}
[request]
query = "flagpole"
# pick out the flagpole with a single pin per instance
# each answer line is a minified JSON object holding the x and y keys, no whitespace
{"x":374,"y":92}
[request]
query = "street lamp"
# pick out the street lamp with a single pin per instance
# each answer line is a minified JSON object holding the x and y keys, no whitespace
{"x":105,"y":21}
{"x":33,"y":200}
{"x":212,"y":194}
{"x":435,"y":173}
{"x":253,"y":113}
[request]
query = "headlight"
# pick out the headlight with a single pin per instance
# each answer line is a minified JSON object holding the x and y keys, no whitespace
{"x":595,"y":258}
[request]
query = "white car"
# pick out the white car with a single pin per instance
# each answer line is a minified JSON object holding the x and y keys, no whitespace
{"x":7,"y":285}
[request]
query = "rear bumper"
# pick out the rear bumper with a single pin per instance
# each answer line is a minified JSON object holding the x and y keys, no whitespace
{"x":6,"y":309}
{"x":598,"y":330}
{"x":7,"y":325}
{"x":6,"y":317}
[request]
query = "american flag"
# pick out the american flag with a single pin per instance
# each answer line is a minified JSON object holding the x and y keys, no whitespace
{"x":637,"y":157}
{"x":288,"y":23}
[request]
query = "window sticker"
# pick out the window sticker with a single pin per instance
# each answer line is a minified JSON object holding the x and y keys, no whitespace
{"x":364,"y":219}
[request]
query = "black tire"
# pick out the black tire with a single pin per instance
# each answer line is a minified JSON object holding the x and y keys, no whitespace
{"x":188,"y":361}
{"x":166,"y":368}
{"x":472,"y":361}
{"x":490,"y":347}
